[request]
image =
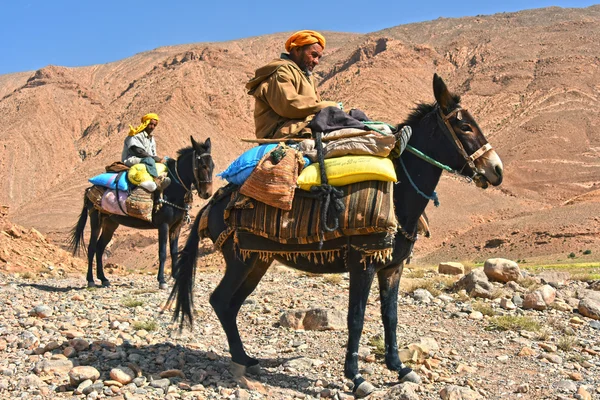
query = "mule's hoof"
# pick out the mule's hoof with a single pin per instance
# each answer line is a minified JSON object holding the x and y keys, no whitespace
{"x":91,"y":284}
{"x":363,"y":390}
{"x":163,"y":286}
{"x":412,"y":376}
{"x":105,"y":284}
{"x":237,"y":370}
{"x":254,"y":369}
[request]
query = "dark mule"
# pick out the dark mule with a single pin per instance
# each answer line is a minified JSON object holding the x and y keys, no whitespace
{"x":193,"y":166}
{"x":443,"y":131}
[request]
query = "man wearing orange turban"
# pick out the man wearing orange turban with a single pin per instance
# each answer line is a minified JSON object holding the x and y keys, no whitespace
{"x":285,"y":91}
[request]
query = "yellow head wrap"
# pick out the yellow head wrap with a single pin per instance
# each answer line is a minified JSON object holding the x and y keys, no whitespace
{"x":302,"y":38}
{"x":145,"y":121}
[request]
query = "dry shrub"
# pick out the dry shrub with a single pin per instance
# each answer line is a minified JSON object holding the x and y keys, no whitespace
{"x":543,"y":335}
{"x":484,"y":308}
{"x":566,"y":342}
{"x":334,"y":279}
{"x":514,"y":323}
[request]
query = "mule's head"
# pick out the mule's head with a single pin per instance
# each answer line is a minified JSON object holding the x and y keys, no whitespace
{"x":203,"y":168}
{"x":481,"y":162}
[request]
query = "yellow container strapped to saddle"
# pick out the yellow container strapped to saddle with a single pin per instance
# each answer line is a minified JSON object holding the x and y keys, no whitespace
{"x":138,"y":173}
{"x":342,"y":171}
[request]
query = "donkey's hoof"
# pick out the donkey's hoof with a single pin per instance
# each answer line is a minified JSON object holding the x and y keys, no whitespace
{"x":91,"y":284}
{"x":412,"y":376}
{"x":254,"y":369}
{"x":237,"y":370}
{"x":163,"y":286}
{"x":363,"y":390}
{"x":105,"y":284}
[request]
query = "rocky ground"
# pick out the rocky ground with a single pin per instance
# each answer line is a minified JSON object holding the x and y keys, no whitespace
{"x":62,"y":340}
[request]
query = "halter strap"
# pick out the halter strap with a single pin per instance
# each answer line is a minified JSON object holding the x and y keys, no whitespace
{"x":470,"y":159}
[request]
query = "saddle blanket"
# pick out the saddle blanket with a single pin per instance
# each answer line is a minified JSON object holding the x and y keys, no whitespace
{"x":369,"y":208}
{"x":138,"y":203}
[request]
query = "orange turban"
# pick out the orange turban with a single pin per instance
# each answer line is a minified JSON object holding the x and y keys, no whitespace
{"x":302,"y":38}
{"x":145,"y":122}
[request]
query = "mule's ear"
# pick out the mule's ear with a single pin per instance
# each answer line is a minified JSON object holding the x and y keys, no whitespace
{"x":195,"y":144}
{"x":442,"y":95}
{"x":207,"y":144}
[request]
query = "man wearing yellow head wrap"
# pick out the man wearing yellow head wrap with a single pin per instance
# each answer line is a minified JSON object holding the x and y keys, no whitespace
{"x":285,"y":91}
{"x":140,"y":143}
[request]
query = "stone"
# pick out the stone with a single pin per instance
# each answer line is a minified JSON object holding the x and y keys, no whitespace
{"x":548,"y":294}
{"x":422,"y":296}
{"x":507,"y":304}
{"x":42,"y":311}
{"x":526,"y":352}
{"x":502,"y":270}
{"x":565,"y":386}
{"x":314,"y":319}
{"x":122,"y":375}
{"x":79,"y":344}
{"x":555,"y":278}
{"x":534,"y":300}
{"x":82,"y":373}
{"x":81,"y":388}
{"x":549,"y":347}
{"x":53,"y":367}
{"x":172,"y":373}
{"x":589,"y":307}
{"x":403,"y":391}
{"x":583,"y":393}
{"x":476,"y":284}
{"x":451,"y":268}
{"x":453,"y":392}
{"x":28,"y":340}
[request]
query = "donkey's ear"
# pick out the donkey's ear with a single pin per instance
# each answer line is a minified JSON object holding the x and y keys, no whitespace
{"x":195,"y":144}
{"x":442,"y":95}
{"x":207,"y":144}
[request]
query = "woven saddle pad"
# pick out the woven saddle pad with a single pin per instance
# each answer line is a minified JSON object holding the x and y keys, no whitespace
{"x":369,"y":208}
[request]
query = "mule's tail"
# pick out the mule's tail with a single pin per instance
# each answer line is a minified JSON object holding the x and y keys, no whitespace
{"x":184,"y":273}
{"x":76,"y":240}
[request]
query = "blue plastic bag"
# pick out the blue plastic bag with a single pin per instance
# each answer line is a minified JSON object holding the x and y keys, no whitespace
{"x":107,"y":179}
{"x":240,"y":169}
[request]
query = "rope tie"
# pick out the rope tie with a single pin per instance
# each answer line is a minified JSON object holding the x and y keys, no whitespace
{"x":330,"y":197}
{"x":434,"y":196}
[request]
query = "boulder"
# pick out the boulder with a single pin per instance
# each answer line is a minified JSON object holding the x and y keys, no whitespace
{"x":502,"y":270}
{"x":317,"y":319}
{"x":476,"y":284}
{"x":451,"y":268}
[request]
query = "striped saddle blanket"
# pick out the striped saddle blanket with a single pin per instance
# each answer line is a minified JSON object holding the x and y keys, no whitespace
{"x":369,"y":209}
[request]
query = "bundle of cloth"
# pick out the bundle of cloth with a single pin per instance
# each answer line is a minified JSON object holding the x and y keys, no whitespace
{"x":128,"y":191}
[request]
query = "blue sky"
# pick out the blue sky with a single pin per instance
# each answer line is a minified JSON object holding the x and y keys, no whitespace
{"x":35,"y":33}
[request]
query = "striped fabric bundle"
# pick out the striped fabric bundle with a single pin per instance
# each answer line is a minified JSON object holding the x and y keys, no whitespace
{"x":369,"y":209}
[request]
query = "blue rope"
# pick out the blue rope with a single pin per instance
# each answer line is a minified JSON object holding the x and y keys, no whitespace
{"x":434,"y":196}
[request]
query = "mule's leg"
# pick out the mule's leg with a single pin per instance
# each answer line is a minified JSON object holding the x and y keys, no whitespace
{"x":389,"y":282}
{"x":361,"y":278}
{"x":225,"y":302}
{"x":163,"y":234}
{"x":174,"y":232}
{"x":94,"y":233}
{"x":108,"y":229}
{"x":248,"y":285}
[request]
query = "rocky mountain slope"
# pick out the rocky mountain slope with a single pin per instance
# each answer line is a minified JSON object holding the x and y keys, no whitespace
{"x":530,"y":78}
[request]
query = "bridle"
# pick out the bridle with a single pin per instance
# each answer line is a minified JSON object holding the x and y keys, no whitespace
{"x":195,"y":164}
{"x":470,"y":159}
{"x":188,"y":197}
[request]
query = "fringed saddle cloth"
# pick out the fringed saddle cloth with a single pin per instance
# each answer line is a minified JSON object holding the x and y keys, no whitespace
{"x":368,"y":217}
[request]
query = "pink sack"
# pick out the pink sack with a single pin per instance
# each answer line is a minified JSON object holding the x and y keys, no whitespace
{"x":109,"y":202}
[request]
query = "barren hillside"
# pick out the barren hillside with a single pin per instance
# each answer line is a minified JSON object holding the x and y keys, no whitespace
{"x":530,"y":78}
